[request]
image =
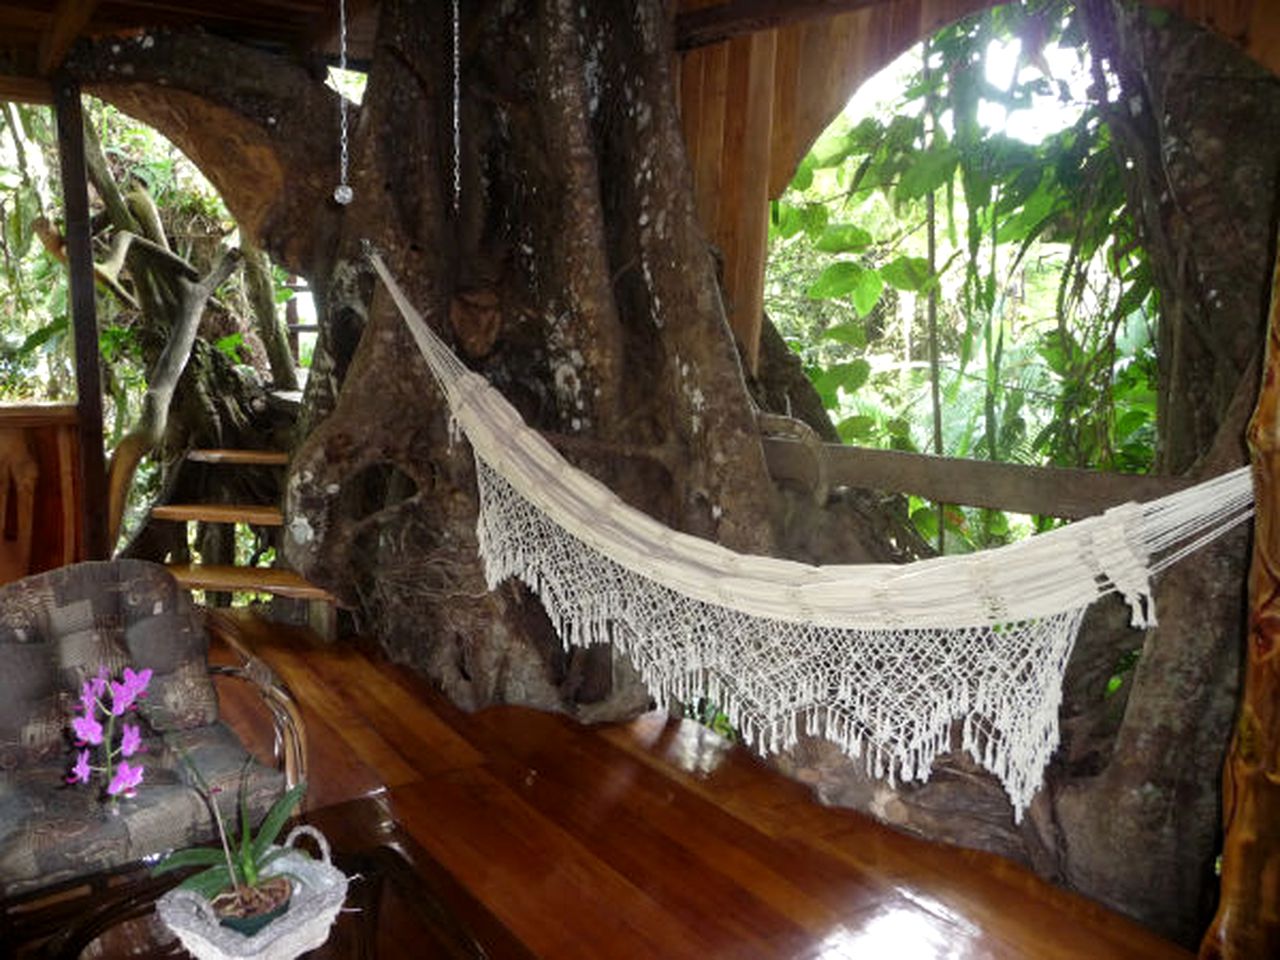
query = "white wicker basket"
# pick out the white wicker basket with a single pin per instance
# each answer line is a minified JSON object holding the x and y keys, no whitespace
{"x":319,"y":890}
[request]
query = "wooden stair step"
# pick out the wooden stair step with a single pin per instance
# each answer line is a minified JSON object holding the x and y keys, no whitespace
{"x":270,"y":458}
{"x":229,"y":579}
{"x":252,"y":513}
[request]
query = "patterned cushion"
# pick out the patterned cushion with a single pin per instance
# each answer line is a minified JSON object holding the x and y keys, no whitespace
{"x":117,"y":613}
{"x":31,"y":718}
{"x":174,"y":646}
{"x":51,"y":832}
{"x":56,"y":629}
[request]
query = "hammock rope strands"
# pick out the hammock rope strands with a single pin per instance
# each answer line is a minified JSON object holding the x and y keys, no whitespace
{"x":882,"y":659}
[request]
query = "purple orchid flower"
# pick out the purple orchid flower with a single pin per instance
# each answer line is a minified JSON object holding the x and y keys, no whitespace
{"x":87,"y":728}
{"x":131,"y":686}
{"x":126,"y":779}
{"x":130,"y":740}
{"x":81,"y":772}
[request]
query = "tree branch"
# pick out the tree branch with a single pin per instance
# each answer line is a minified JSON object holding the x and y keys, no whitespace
{"x":102,"y":180}
{"x":161,"y":385}
{"x":257,"y":271}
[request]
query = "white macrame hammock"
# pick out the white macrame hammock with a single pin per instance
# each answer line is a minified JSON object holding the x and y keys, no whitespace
{"x":882,"y":659}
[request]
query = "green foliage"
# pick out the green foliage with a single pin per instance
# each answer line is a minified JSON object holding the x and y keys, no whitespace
{"x":711,"y":717}
{"x":230,"y":346}
{"x":907,"y":273}
{"x":35,"y":347}
{"x":847,"y":278}
{"x":1046,"y":306}
{"x":243,"y":858}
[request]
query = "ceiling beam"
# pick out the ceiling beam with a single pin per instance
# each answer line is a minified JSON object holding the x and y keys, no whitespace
{"x":69,"y":19}
{"x":698,"y":28}
{"x":25,"y":89}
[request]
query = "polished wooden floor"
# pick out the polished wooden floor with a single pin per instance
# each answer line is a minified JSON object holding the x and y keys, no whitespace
{"x":656,"y":839}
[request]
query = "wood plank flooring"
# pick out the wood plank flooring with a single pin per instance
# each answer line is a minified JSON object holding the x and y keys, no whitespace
{"x":655,"y":838}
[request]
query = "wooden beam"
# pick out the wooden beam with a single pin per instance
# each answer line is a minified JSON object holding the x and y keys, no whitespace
{"x":1248,"y":921}
{"x":698,"y":28}
{"x":75,"y":192}
{"x":22,"y":416}
{"x":1052,"y":491}
{"x":18,"y":89}
{"x":68,"y":20}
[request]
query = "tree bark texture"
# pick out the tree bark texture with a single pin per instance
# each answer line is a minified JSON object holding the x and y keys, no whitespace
{"x":1198,"y":123}
{"x":570,"y":270}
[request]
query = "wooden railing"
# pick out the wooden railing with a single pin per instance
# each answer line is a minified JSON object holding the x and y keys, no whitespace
{"x":1050,"y":491}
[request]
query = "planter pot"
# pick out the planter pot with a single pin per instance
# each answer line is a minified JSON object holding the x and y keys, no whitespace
{"x":319,"y":889}
{"x":252,"y":923}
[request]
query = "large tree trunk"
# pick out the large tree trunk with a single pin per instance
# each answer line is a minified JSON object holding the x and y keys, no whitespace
{"x":572,"y":273}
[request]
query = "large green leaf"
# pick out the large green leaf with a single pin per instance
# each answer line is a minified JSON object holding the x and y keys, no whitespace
{"x":803,"y":179}
{"x":275,"y":819}
{"x":930,"y":170}
{"x":816,"y":216}
{"x":849,"y":279}
{"x":843,"y":238}
{"x":786,"y":219}
{"x":851,"y":332}
{"x":1131,"y":422}
{"x":844,"y":376}
{"x":857,"y":429}
{"x":190,"y":857}
{"x":209,"y":882}
{"x":907,"y":273}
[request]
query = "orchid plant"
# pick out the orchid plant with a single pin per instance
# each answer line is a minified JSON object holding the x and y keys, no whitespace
{"x":113,"y":699}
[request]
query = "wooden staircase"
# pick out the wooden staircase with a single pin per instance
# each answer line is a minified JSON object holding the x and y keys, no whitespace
{"x":225,"y":578}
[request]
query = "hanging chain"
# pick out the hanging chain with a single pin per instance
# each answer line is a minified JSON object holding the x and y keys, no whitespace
{"x":457,"y":108}
{"x":342,"y":193}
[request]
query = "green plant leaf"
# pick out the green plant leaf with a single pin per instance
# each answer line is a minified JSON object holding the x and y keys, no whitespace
{"x":275,"y":819}
{"x":925,"y":520}
{"x":843,"y":238}
{"x":816,"y":216}
{"x":230,"y":345}
{"x":803,"y":179}
{"x":209,"y":882}
{"x":248,"y":870}
{"x":847,"y":278}
{"x":786,"y":219}
{"x":836,"y":280}
{"x":857,"y":429}
{"x":851,"y":332}
{"x":907,"y":273}
{"x":845,"y":376}
{"x":1131,"y":422}
{"x":190,"y":857}
{"x":931,"y":170}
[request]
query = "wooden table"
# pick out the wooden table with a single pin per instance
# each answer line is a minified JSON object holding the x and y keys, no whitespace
{"x":401,"y":904}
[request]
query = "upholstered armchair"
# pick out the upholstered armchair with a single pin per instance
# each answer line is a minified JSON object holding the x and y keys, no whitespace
{"x":56,"y":628}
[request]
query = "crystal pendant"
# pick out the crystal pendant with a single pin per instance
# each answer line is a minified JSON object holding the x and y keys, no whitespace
{"x":343,"y":194}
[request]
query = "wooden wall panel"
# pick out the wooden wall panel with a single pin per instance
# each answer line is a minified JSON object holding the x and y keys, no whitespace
{"x":741,"y":227}
{"x":48,"y":437}
{"x":839,"y":53}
